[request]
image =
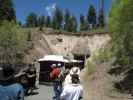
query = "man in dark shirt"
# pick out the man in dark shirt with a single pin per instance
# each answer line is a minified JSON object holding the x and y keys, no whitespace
{"x":31,"y":75}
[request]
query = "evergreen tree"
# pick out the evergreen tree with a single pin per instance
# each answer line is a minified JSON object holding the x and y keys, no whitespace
{"x":101,"y":20}
{"x":66,"y":19}
{"x":19,"y":23}
{"x":83,"y":23}
{"x":91,"y":16}
{"x":31,"y":20}
{"x":7,"y":11}
{"x":41,"y":22}
{"x":72,"y":25}
{"x":48,"y":21}
{"x":57,"y":19}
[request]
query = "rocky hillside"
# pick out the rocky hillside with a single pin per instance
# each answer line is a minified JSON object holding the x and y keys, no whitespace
{"x":50,"y":41}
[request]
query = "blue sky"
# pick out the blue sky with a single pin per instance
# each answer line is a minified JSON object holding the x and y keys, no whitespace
{"x":46,"y":7}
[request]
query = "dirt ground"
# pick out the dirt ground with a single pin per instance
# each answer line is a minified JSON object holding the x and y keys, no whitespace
{"x":99,"y":85}
{"x":45,"y":93}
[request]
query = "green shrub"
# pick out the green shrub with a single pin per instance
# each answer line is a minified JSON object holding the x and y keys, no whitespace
{"x":104,"y":55}
{"x":121,"y":28}
{"x":99,"y":56}
{"x":91,"y":65}
{"x":13,"y":42}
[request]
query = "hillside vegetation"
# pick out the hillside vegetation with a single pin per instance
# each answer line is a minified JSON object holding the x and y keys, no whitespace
{"x":112,"y":78}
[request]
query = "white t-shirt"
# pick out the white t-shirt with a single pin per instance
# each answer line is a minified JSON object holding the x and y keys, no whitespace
{"x":72,"y":92}
{"x":67,"y":80}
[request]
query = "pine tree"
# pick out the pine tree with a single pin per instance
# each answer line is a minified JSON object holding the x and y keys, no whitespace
{"x":66,"y":19}
{"x":91,"y":16}
{"x":48,"y":21}
{"x":101,"y":20}
{"x":31,"y":20}
{"x":7,"y":11}
{"x":19,"y":23}
{"x":41,"y":22}
{"x":72,"y":25}
{"x":83,"y":23}
{"x":57,"y":19}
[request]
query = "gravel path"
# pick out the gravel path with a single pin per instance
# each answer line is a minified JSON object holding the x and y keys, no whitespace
{"x":45,"y":93}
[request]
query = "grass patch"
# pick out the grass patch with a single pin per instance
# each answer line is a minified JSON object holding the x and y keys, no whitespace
{"x":91,"y":65}
{"x":104,"y":55}
{"x":99,"y":56}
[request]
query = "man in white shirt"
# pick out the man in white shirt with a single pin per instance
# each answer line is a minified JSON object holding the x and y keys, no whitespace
{"x":72,"y":91}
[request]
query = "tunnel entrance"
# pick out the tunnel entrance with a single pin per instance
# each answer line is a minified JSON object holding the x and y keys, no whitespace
{"x":81,"y":58}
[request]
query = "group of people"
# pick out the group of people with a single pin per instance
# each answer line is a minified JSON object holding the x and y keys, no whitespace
{"x":66,"y":83}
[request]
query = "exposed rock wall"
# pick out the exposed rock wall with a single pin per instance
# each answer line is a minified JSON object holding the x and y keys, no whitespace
{"x":47,"y":42}
{"x":64,"y":44}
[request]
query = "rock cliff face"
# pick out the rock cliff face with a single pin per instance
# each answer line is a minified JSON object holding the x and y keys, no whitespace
{"x":64,"y":44}
{"x":53,"y":42}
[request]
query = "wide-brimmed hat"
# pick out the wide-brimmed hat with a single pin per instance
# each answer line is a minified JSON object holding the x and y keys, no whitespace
{"x":75,"y":70}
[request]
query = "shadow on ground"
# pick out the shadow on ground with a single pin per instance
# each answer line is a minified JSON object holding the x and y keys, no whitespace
{"x":46,"y":83}
{"x":116,"y":70}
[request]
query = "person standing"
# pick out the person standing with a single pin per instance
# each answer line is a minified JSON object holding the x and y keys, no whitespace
{"x":37,"y":66}
{"x":73,"y":91}
{"x":74,"y":70}
{"x":31,"y":75}
{"x":54,"y":75}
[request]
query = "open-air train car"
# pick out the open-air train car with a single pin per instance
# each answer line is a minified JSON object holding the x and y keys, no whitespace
{"x":45,"y":66}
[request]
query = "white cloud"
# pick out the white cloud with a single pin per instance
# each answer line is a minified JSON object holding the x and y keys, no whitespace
{"x":50,"y":9}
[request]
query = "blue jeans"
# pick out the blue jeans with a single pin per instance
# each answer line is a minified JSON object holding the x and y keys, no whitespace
{"x":57,"y":90}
